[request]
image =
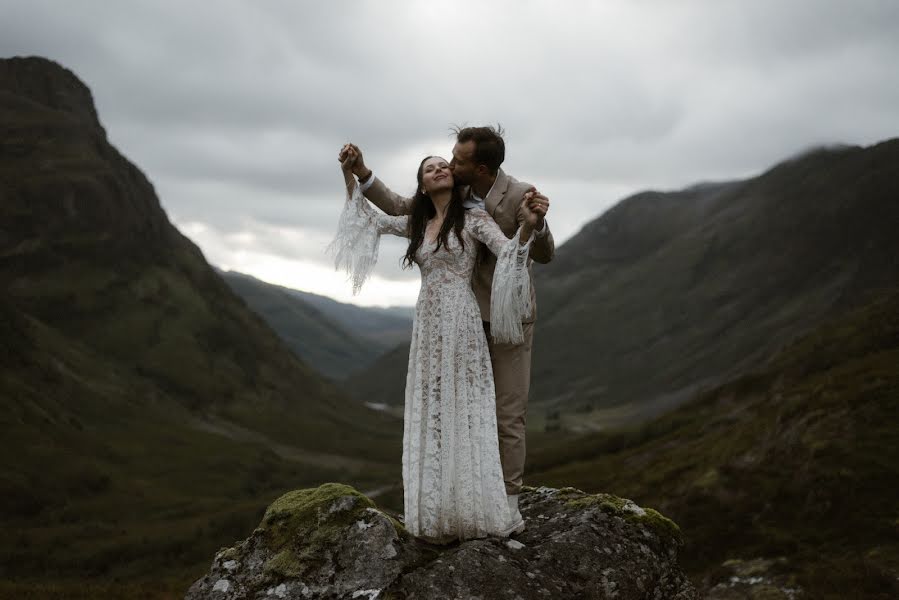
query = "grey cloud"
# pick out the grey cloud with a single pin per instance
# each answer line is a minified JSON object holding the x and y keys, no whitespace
{"x":236,"y":110}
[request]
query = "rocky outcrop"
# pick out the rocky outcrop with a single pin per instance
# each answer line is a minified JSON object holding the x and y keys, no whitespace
{"x":47,"y":84}
{"x":333,"y":542}
{"x":65,"y":190}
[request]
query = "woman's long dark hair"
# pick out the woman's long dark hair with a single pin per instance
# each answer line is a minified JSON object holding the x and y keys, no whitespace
{"x":423,"y":210}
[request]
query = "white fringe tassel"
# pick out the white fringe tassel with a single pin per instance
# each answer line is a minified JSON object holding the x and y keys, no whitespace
{"x":355,"y":245}
{"x":510,"y":297}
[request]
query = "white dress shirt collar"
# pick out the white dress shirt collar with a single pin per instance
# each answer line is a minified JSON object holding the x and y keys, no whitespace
{"x":475,"y":201}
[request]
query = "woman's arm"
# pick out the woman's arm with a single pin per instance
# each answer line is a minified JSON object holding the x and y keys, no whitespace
{"x":487,"y":231}
{"x":359,"y":230}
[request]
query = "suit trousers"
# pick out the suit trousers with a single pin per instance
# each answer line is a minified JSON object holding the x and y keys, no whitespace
{"x":512,"y":376}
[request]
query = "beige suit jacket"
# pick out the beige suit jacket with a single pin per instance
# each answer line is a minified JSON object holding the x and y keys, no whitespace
{"x":503,"y":203}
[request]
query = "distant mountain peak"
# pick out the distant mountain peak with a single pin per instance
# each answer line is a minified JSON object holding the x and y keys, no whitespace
{"x":815,"y":149}
{"x":62,"y":178}
{"x":49,"y":84}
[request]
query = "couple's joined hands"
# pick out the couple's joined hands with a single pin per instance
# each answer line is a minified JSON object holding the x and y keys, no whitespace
{"x":350,"y":159}
{"x":535,"y":206}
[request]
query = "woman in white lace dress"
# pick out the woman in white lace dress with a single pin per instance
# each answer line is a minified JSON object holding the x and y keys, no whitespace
{"x":452,"y":478}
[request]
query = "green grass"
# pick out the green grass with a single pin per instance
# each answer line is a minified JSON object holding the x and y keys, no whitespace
{"x":79,"y":589}
{"x":800,"y":459}
{"x":106,"y":478}
{"x":137,"y":491}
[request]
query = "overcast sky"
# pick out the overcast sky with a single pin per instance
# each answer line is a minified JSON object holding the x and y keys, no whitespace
{"x":236,"y":110}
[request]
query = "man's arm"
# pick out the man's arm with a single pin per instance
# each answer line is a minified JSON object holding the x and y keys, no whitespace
{"x":385,"y":199}
{"x":373,"y":188}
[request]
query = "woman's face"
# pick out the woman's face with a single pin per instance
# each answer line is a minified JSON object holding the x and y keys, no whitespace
{"x":436,"y":175}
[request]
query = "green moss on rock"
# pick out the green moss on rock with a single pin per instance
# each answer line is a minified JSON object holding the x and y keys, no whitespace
{"x":231,"y":553}
{"x":301,"y":527}
{"x":286,"y":564}
{"x":661,"y":524}
{"x":302,"y":511}
{"x":626,"y":509}
{"x":569,"y":493}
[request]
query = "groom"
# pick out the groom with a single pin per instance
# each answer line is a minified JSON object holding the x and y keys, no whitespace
{"x":477,"y":156}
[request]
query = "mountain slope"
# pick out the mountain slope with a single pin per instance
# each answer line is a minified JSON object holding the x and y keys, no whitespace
{"x":384,"y":382}
{"x":326,"y":340}
{"x":88,"y":250}
{"x":382,"y":327}
{"x":797,"y":459}
{"x":149,"y":412}
{"x":670,"y":291}
{"x":110,"y":478}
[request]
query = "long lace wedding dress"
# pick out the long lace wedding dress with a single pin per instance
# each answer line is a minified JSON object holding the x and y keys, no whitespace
{"x":452,"y":478}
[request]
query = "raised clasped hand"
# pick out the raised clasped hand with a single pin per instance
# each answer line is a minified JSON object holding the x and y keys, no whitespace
{"x":536,"y":205}
{"x":347,"y":157}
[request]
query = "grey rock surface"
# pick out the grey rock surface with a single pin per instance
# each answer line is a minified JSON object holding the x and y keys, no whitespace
{"x":332,"y":542}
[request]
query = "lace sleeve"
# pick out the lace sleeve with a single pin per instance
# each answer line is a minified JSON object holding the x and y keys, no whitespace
{"x":359,"y":230}
{"x":510,"y":296}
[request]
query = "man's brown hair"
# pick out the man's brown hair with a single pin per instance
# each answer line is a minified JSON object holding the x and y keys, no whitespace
{"x":489,"y":147}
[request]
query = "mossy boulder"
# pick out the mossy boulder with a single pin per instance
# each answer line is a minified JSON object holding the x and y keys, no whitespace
{"x":333,"y":542}
{"x":324,"y":542}
{"x":303,"y":526}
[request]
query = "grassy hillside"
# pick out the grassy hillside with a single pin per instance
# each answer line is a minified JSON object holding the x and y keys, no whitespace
{"x":148,"y":414}
{"x":668,"y":292}
{"x":798,"y":459}
{"x":384,"y":381}
{"x":322,"y":342}
{"x":334,"y":338}
{"x":108,"y":476}
{"x":383,"y":327}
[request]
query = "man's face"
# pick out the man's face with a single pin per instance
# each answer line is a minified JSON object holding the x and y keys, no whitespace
{"x":463,"y":166}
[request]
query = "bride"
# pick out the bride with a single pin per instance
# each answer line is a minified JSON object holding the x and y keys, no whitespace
{"x":452,"y":479}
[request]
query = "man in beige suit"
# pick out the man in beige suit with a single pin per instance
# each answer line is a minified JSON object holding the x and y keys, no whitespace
{"x":477,"y":156}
